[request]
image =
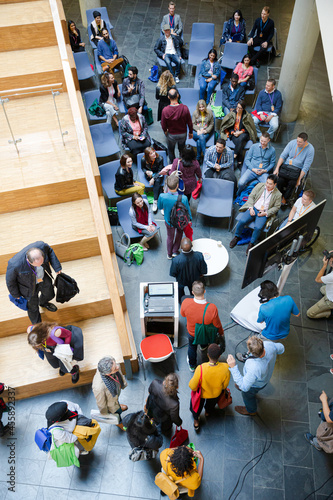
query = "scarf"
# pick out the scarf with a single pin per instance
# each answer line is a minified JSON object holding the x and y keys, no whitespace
{"x":114,"y":383}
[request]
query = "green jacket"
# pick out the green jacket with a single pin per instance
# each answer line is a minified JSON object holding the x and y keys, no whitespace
{"x":229,"y":121}
{"x":274,"y":203}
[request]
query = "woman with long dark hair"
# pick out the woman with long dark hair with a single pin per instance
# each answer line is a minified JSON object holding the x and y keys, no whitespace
{"x":124,"y":183}
{"x":75,"y":37}
{"x":235,"y":29}
{"x":244,"y":70}
{"x":189,"y":170}
{"x":209,"y":75}
{"x":152,"y":164}
{"x":180,"y":465}
{"x":141,"y":220}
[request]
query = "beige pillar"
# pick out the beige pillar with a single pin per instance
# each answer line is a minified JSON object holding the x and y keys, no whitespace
{"x":85,"y":5}
{"x":301,"y":44}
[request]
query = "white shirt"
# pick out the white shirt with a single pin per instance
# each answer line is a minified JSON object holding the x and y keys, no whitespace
{"x":301,"y":209}
{"x":328,"y":281}
{"x":170,"y":48}
{"x":264,"y":200}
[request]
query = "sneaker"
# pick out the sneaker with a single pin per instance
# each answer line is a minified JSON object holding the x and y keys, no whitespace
{"x":155,"y":206}
{"x":176,"y":79}
{"x":310,"y":438}
{"x":234,"y":242}
{"x":84,"y":452}
{"x":192,"y":368}
{"x":169,"y":257}
{"x":175,"y":254}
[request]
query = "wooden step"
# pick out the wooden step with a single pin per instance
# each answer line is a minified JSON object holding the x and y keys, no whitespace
{"x":67,"y":227}
{"x":92,"y":301}
{"x":23,"y":369}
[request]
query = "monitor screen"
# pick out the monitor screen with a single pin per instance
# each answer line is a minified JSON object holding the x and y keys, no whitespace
{"x":160,"y":289}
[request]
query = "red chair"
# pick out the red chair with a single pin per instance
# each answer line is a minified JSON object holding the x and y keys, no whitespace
{"x":155,"y":349}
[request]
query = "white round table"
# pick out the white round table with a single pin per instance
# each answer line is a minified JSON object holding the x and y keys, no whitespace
{"x":215,"y":254}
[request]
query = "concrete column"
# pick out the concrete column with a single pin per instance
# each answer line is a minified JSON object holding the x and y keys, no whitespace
{"x":85,"y":5}
{"x":301,"y":44}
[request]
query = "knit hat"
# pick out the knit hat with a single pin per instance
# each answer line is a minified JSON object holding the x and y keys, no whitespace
{"x":96,"y":13}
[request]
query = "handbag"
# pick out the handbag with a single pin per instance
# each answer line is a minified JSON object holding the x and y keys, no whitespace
{"x":65,"y":354}
{"x":179,"y":437}
{"x":21,"y":302}
{"x":148,"y":114}
{"x":96,"y":109}
{"x":289,"y":172}
{"x":178,"y":173}
{"x":122,"y":247}
{"x":205,"y":334}
{"x":64,"y":455}
{"x":140,"y":453}
{"x":196,"y":395}
{"x":167,"y":485}
{"x":225,"y":399}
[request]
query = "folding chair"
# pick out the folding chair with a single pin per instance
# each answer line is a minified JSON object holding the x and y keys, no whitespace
{"x":198,"y":51}
{"x":83,"y":68}
{"x":216,"y":198}
{"x":108,"y":177}
{"x":156,"y":348}
{"x":104,"y":140}
{"x":190,"y":97}
{"x":203,"y":32}
{"x":233,"y":53}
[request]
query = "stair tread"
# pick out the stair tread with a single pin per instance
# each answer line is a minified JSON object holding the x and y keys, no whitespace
{"x":11,"y":15}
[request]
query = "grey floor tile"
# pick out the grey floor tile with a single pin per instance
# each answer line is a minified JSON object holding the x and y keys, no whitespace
{"x":269,"y":471}
{"x":238,"y":436}
{"x":232,"y":472}
{"x":54,"y":476}
{"x":117,"y":471}
{"x":46,"y":493}
{"x":143,"y":486}
{"x":26,"y":491}
{"x":298,"y":482}
{"x":316,"y":345}
{"x":293,"y":404}
{"x":3,"y":490}
{"x":86,"y":478}
{"x":268,"y":493}
{"x":296,"y":450}
{"x":319,"y":379}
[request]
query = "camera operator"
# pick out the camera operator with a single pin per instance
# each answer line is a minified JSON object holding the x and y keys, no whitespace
{"x":322,"y":309}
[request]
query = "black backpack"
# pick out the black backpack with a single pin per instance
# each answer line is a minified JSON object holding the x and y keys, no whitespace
{"x":179,"y":216}
{"x":66,"y":288}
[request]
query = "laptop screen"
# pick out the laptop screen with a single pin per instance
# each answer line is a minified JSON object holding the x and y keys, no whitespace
{"x":160,"y":289}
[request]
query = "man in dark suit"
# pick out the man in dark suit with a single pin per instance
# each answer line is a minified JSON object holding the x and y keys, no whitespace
{"x":260,"y":35}
{"x":29,"y":275}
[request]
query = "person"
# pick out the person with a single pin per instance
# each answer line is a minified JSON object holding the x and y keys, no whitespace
{"x":235,"y":29}
{"x":29,"y":275}
{"x":214,"y":380}
{"x":124,"y":183}
{"x":167,"y":48}
{"x":174,"y":21}
{"x":264,"y":202}
{"x":260,"y":36}
{"x":294,"y":163}
{"x":164,"y":84}
{"x":134,"y":132}
{"x":189,"y":168}
{"x":4,"y":429}
{"x":193,"y":310}
{"x":209,"y":75}
{"x":163,"y":402}
{"x":323,"y":308}
{"x":268,"y":107}
{"x":189,"y":266}
{"x":75,"y":37}
{"x":220,"y":162}
{"x":259,"y":162}
{"x":152,"y":164}
{"x":107,"y":51}
{"x":175,"y":121}
{"x":244,"y":70}
{"x":96,"y":27}
{"x":142,"y":432}
{"x":203,"y":126}
{"x":107,"y":385}
{"x":301,"y":206}
{"x":238,"y":126}
{"x":133,"y":90}
{"x":43,"y":338}
{"x":323,"y":441}
{"x":257,"y":372}
{"x":232,"y":93}
{"x":109,"y":94}
{"x":165,"y":202}
{"x":141,"y":219}
{"x":178,"y":463}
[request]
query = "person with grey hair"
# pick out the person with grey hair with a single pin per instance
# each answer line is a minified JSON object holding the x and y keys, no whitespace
{"x":107,"y":385}
{"x":29,"y":276}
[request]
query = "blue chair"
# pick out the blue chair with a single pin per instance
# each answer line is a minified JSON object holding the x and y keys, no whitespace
{"x":198,"y":51}
{"x":123,"y":207}
{"x":216,"y":198}
{"x":190,"y":97}
{"x":231,"y":145}
{"x":141,"y":175}
{"x":233,"y":53}
{"x":108,"y":178}
{"x":90,"y":18}
{"x":269,"y":50}
{"x":98,"y":66}
{"x":89,"y":98}
{"x":224,"y":26}
{"x":93,"y":45}
{"x":203,"y":31}
{"x":83,"y":68}
{"x":103,"y":139}
{"x":196,"y":77}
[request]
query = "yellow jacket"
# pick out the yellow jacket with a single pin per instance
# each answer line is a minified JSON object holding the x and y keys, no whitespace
{"x":191,"y":481}
{"x":214,"y":379}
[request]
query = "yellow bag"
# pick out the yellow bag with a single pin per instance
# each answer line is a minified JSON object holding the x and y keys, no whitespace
{"x":83,"y":432}
{"x":167,"y":485}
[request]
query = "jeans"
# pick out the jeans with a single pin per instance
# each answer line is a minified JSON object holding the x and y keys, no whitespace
{"x":209,"y":406}
{"x":168,"y":59}
{"x":192,"y":351}
{"x":246,"y":218}
{"x":248,"y":177}
{"x":172,"y":140}
{"x":209,"y":87}
{"x":239,"y":142}
{"x":273,"y":125}
{"x":158,"y":181}
{"x":257,"y":41}
{"x":249,"y":399}
{"x":201,"y":140}
{"x":174,"y":237}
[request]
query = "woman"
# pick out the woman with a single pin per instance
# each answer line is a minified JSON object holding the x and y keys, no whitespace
{"x":152,"y":164}
{"x":323,"y":441}
{"x":107,"y":385}
{"x":124,"y":183}
{"x":203,"y":126}
{"x":239,"y":127}
{"x":134,"y":132}
{"x":141,"y":220}
{"x":109,"y":94}
{"x":142,"y":432}
{"x":44,"y":337}
{"x":209,"y":75}
{"x":215,"y":378}
{"x":75,"y":37}
{"x":180,"y":465}
{"x":163,"y":402}
{"x":235,"y":29}
{"x":189,"y":168}
{"x":245,"y":73}
{"x":165,"y":83}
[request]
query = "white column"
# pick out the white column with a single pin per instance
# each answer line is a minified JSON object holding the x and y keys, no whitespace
{"x":85,"y":5}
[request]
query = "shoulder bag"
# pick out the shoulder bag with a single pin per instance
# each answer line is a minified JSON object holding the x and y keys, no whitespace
{"x":196,"y":395}
{"x":225,"y":399}
{"x":205,"y":334}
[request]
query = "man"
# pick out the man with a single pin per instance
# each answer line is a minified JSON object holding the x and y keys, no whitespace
{"x":302,"y":205}
{"x":193,"y":311}
{"x":96,"y":27}
{"x":323,"y":308}
{"x":259,"y":162}
{"x":174,"y":21}
{"x":166,"y":201}
{"x":133,"y":90}
{"x":264,"y":201}
{"x":29,"y":275}
{"x":268,"y":108}
{"x":167,"y":48}
{"x":257,"y":372}
{"x":108,"y":52}
{"x":232,"y":92}
{"x":187,"y":267}
{"x":220,"y":162}
{"x":294,"y":162}
{"x":175,"y":121}
{"x":260,"y":36}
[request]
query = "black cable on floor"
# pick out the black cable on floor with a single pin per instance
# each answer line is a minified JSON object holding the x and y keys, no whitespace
{"x":315,"y":491}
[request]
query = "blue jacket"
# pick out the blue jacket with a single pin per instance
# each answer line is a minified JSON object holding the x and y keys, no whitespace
{"x":107,"y":50}
{"x":188,"y":267}
{"x":205,"y":67}
{"x":257,"y":155}
{"x":160,"y":46}
{"x":226,"y":35}
{"x":231,"y":98}
{"x":264,"y":102}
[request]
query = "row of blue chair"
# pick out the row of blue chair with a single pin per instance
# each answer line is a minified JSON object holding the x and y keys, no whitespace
{"x":202,"y":40}
{"x":90,"y":18}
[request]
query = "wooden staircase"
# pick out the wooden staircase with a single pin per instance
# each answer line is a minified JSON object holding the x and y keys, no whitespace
{"x":51,"y":191}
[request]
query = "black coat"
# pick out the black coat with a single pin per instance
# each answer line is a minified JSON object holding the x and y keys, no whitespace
{"x":124,"y":179}
{"x":162,"y":408}
{"x":188,"y":267}
{"x":161,"y":44}
{"x":150,"y":439}
{"x":267,"y":32}
{"x":104,"y":97}
{"x":20,"y":278}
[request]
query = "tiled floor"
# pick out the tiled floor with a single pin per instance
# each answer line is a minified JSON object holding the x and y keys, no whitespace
{"x":288,"y":407}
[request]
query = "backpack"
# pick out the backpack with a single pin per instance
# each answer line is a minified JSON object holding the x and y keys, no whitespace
{"x":96,"y":109}
{"x":43,"y":438}
{"x":66,"y":287}
{"x":179,"y":216}
{"x":134,"y":252}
